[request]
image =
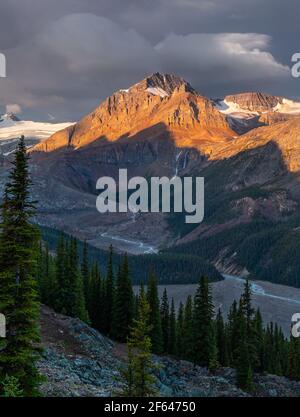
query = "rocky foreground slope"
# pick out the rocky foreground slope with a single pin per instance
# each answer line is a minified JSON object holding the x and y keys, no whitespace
{"x":79,"y":361}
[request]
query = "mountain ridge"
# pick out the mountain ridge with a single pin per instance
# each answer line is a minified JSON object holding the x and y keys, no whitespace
{"x":252,"y":194}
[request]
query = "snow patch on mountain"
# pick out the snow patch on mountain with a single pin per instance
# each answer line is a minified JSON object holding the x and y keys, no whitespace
{"x":157,"y":91}
{"x":288,"y":107}
{"x":233,"y":109}
{"x":11,"y":129}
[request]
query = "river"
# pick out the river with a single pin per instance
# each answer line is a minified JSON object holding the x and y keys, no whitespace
{"x":141,"y":248}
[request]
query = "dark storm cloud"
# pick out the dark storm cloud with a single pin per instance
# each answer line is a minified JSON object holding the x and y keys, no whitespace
{"x":64,"y":56}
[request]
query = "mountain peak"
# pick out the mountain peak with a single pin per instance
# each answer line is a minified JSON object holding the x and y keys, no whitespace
{"x":162,"y":85}
{"x":164,"y":101}
{"x":168,"y":82}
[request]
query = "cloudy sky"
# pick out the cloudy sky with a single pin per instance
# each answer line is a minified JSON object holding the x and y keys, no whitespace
{"x":65,"y":56}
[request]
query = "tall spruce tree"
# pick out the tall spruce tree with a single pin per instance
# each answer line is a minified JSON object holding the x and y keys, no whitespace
{"x":123,"y":304}
{"x":76,"y":306}
{"x":165,"y":320}
{"x":172,"y":349}
{"x":19,"y":241}
{"x":248,"y":311}
{"x":180,"y":331}
{"x":243,"y":362}
{"x":245,"y":304}
{"x":258,"y":341}
{"x":95,"y":298}
{"x":138,"y":376}
{"x":293,"y":365}
{"x":203,"y":324}
{"x":155,"y":318}
{"x":109,"y":293}
{"x":214,"y":363}
{"x":232,"y":333}
{"x":221,"y":340}
{"x":188,"y":331}
{"x":85,"y":273}
{"x":61,"y":284}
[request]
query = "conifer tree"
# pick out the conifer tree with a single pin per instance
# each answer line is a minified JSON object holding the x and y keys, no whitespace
{"x":139,"y":380}
{"x":85,"y":273}
{"x":242,"y":356}
{"x":258,"y":341}
{"x":232,"y":333}
{"x":40,"y":271}
{"x":188,"y":329}
{"x":123,"y":304}
{"x":293,"y":366}
{"x":214,"y":363}
{"x":203,"y":320}
{"x":61,"y":284}
{"x":95,"y":298}
{"x":180,"y":331}
{"x":246,"y":309}
{"x":76,"y":302}
{"x":109,"y":293}
{"x":245,"y":304}
{"x":10,"y":387}
{"x":281,"y":351}
{"x":135,"y":306}
{"x":165,"y":320}
{"x":172,"y":349}
{"x":19,"y":242}
{"x":155,"y":318}
{"x":221,"y":340}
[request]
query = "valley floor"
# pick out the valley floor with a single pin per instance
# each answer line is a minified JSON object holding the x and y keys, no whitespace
{"x":276,"y":302}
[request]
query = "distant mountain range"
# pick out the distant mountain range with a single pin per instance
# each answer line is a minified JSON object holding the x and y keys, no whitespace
{"x":247,"y":146}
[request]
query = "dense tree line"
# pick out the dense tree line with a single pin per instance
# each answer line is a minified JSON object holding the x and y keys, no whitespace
{"x":169,"y":268}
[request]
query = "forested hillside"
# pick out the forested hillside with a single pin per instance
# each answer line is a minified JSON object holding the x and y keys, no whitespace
{"x":168,"y":267}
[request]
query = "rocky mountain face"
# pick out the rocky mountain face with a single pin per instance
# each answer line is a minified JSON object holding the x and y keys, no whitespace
{"x":162,"y":126}
{"x":79,"y":361}
{"x":246,"y":111}
{"x":158,"y":105}
{"x":252,"y":206}
{"x":254,"y":102}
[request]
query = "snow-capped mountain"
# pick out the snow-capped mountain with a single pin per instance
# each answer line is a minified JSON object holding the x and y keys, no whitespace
{"x":11,"y":128}
{"x":246,"y":111}
{"x":163,"y":103}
